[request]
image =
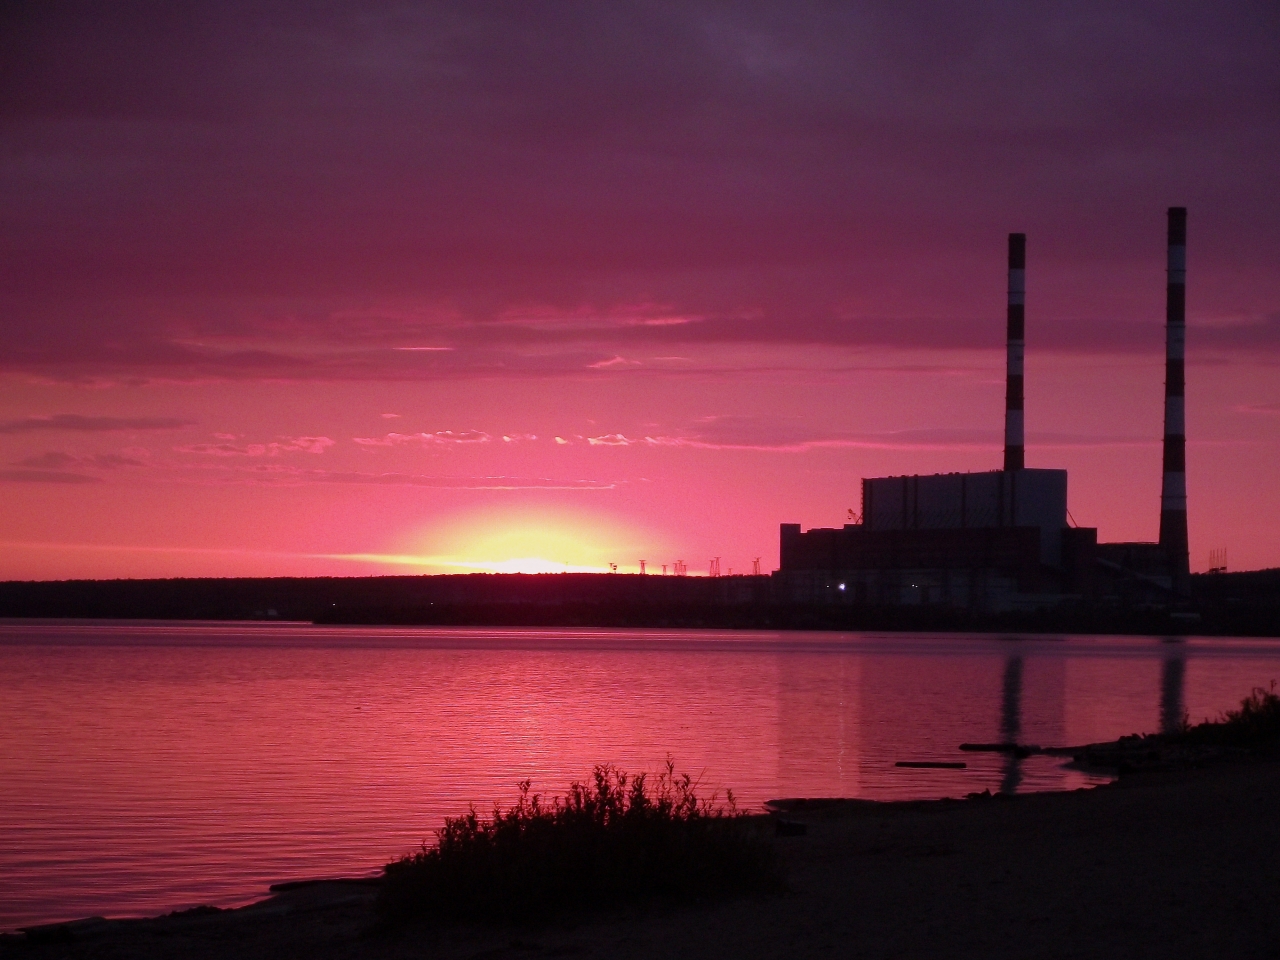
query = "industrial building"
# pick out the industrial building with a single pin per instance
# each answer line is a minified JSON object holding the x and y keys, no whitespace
{"x":1001,"y":539}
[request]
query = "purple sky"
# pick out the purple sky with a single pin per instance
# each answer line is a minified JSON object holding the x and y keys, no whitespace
{"x":190,"y":187}
{"x":676,"y":195}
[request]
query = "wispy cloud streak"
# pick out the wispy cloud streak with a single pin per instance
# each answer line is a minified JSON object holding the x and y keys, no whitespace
{"x":78,"y":423}
{"x":438,"y":438}
{"x":272,"y":449}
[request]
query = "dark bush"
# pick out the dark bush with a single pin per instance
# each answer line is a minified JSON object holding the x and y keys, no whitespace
{"x":1255,"y":724}
{"x":616,"y":839}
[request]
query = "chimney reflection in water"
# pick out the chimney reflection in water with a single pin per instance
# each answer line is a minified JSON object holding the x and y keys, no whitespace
{"x":1011,"y":722}
{"x":1173,"y":673}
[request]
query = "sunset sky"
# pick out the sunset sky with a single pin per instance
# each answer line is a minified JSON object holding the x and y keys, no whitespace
{"x":294,"y":289}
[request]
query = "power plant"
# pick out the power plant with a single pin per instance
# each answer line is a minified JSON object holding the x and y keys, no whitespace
{"x":976,"y":551}
{"x":1000,"y":540}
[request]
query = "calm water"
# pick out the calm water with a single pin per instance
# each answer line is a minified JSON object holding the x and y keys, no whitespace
{"x":145,"y":768}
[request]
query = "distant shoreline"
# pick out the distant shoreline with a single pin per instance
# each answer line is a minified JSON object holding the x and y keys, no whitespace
{"x":1230,"y":604}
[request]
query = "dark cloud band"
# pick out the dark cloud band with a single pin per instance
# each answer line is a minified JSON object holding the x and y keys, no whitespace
{"x":76,"y":423}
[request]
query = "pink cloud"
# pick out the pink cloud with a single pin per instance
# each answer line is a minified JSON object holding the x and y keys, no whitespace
{"x":56,"y":460}
{"x":426,"y":439}
{"x":46,"y":476}
{"x":273,"y":449}
{"x":282,"y":475}
{"x":78,"y":423}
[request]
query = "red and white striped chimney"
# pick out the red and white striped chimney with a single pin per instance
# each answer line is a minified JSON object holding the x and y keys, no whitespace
{"x":1173,"y":491}
{"x":1014,"y":444}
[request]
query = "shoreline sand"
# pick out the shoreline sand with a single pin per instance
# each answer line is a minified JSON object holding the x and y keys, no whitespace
{"x":1172,"y":863}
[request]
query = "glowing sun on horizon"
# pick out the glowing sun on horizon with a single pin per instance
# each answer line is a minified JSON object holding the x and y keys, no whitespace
{"x":523,"y":543}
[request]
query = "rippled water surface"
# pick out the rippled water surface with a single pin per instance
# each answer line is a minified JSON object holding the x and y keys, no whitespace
{"x":150,"y":767}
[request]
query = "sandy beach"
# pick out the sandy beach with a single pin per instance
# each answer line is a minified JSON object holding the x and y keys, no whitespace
{"x":1182,"y":863}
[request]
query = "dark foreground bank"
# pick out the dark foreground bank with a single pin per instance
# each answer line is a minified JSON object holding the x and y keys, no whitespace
{"x":1164,"y":863}
{"x":1232,"y":604}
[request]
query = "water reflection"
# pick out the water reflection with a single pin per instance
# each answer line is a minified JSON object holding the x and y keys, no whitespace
{"x":198,"y":763}
{"x":1173,"y":672}
{"x":1011,"y":722}
{"x":819,"y":719}
{"x":844,"y":722}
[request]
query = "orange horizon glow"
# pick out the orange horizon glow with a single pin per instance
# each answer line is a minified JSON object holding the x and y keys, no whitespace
{"x":510,"y":540}
{"x":187,"y":503}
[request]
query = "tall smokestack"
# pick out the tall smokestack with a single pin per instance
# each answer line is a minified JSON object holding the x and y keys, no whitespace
{"x":1173,"y":491}
{"x":1013,"y":439}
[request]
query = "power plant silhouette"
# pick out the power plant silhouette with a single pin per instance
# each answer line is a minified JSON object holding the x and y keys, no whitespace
{"x":1000,"y":540}
{"x":964,"y":549}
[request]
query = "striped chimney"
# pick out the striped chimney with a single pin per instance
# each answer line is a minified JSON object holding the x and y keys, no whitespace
{"x":1013,"y":439}
{"x":1173,"y":491}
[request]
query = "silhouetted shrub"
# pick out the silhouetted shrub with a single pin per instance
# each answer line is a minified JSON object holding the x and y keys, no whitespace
{"x":1255,"y":724}
{"x":614,"y":839}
